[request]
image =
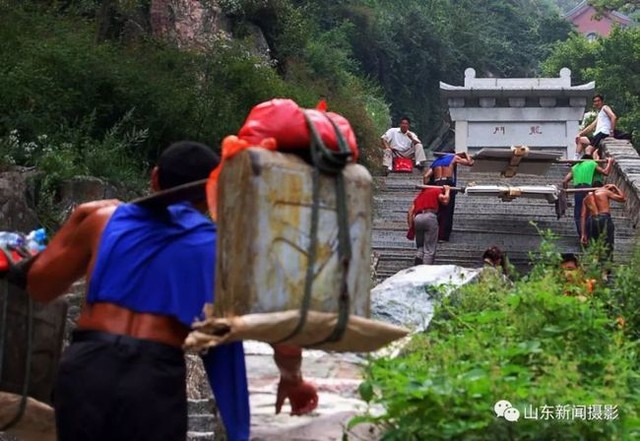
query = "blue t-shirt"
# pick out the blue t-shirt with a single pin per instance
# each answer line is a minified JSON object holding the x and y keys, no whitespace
{"x":444,"y":161}
{"x":164,"y":264}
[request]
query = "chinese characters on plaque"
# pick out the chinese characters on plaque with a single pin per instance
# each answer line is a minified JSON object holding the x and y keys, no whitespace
{"x":533,"y":130}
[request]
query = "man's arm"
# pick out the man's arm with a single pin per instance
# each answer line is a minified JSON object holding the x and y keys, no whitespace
{"x":588,"y":129}
{"x":385,"y":139}
{"x":302,"y":396}
{"x":463,"y":159}
{"x":427,"y":176}
{"x":67,"y":256}
{"x":445,"y":195}
{"x":413,"y":137}
{"x":565,"y":181}
{"x":410,"y":214}
{"x":615,"y":193}
{"x":605,"y":171}
{"x":612,"y":116}
{"x":583,"y":222}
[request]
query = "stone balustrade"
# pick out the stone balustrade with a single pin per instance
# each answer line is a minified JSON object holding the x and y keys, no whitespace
{"x":626,"y":174}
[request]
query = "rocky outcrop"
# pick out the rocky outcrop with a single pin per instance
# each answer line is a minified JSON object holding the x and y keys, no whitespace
{"x":201,"y":24}
{"x":16,"y":214}
{"x":81,"y":189}
{"x":189,"y":23}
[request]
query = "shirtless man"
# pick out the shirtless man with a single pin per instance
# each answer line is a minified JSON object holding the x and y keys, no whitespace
{"x":596,"y":215}
{"x":442,"y":171}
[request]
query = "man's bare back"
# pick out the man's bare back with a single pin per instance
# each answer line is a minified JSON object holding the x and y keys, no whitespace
{"x":596,"y":203}
{"x":446,"y":172}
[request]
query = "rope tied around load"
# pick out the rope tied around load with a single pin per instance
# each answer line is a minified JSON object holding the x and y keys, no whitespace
{"x":511,"y":193}
{"x":517,"y":153}
{"x":332,"y":163}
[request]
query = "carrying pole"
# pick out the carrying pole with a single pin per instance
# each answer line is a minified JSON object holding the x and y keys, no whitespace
{"x":580,"y":190}
{"x":462,"y":189}
{"x":578,"y":161}
{"x":192,"y":191}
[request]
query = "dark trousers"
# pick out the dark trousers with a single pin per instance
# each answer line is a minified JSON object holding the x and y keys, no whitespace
{"x":445,"y":212}
{"x":601,"y":226}
{"x":120,"y":388}
{"x":577,"y":208}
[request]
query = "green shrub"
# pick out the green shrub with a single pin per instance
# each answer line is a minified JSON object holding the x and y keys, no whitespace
{"x":528,"y":344}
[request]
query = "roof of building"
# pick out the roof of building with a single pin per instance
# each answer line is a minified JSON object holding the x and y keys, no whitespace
{"x":514,"y":87}
{"x":584,"y":6}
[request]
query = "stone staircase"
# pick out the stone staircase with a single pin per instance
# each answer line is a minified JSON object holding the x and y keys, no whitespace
{"x":202,"y":423}
{"x":480,"y":222}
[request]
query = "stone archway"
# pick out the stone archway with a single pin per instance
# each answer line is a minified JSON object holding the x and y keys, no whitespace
{"x":542,"y":113}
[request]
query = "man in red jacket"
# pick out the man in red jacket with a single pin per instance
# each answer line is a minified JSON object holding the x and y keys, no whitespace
{"x":423,"y":217}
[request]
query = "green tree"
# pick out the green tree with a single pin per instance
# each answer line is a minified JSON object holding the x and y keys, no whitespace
{"x":410,"y":46}
{"x":613,"y":63}
{"x":628,"y":6}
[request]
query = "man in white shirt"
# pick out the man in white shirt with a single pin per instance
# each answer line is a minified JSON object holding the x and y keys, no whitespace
{"x":401,"y":141}
{"x":604,"y":125}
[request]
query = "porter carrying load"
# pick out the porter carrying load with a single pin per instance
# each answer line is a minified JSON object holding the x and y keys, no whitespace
{"x":294,"y":242}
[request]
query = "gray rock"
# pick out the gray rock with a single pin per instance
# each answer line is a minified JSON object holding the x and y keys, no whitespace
{"x":407,"y":298}
{"x":16,"y":214}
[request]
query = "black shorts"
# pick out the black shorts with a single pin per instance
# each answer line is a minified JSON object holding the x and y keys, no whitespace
{"x":120,"y":388}
{"x":595,"y":139}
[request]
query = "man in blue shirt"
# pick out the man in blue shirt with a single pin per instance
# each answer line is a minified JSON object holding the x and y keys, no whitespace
{"x":149,"y":273}
{"x":444,"y":171}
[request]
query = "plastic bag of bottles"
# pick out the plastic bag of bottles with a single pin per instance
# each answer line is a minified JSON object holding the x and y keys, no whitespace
{"x":34,"y":242}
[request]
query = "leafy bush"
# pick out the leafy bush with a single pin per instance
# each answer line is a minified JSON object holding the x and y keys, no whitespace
{"x":528,"y":344}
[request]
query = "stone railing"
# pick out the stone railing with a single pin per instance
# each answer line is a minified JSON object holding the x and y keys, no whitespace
{"x":626,"y":174}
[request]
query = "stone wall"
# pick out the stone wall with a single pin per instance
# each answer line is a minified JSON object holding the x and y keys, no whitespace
{"x":626,"y":174}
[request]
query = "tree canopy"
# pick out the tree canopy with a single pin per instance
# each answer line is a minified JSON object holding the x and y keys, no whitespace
{"x":613,"y":63}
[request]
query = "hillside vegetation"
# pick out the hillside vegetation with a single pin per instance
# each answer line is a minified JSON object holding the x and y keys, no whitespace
{"x":76,"y":84}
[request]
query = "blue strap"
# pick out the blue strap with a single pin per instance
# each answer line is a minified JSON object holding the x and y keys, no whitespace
{"x":225,"y":367}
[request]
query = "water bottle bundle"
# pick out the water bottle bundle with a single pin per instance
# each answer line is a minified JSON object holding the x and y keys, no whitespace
{"x":17,"y":247}
{"x":33,"y":243}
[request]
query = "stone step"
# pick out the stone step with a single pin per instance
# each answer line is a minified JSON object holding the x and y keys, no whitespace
{"x":480,"y":222}
{"x":201,"y":418}
{"x":200,"y":436}
{"x":201,"y":423}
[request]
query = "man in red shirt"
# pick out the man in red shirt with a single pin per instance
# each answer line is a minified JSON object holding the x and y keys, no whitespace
{"x":423,"y":217}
